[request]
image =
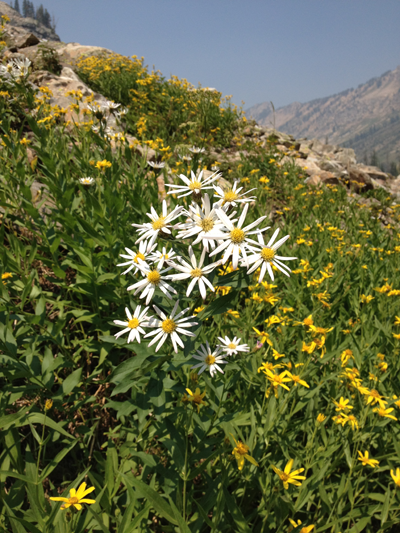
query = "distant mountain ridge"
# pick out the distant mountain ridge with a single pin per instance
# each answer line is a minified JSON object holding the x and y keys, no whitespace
{"x":366,"y":119}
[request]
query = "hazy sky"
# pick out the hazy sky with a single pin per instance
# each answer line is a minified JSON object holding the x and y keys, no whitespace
{"x":256,"y":50}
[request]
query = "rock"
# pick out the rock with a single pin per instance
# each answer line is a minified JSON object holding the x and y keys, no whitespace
{"x":346,"y":156}
{"x":29,"y":39}
{"x":373,"y":172}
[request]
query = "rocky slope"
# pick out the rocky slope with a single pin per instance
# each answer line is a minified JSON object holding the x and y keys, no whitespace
{"x":20,"y":25}
{"x":366,"y":118}
{"x":320,"y":162}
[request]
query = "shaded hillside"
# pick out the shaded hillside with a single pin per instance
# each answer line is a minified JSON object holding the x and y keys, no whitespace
{"x":366,"y":118}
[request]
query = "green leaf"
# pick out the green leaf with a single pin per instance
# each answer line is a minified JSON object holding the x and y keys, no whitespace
{"x":183,"y":527}
{"x":7,"y":420}
{"x":386,"y":507}
{"x":40,"y":418}
{"x":361,"y":525}
{"x":71,"y":381}
{"x":218,"y":306}
{"x":232,"y":507}
{"x":157,"y":502}
{"x":98,"y":520}
{"x":237,"y":280}
{"x":56,"y":461}
{"x":138,"y":518}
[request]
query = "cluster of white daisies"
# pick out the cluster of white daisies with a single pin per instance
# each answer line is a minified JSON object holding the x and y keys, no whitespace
{"x":219,"y":231}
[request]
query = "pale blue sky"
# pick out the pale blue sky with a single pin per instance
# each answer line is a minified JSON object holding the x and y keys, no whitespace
{"x":256,"y":50}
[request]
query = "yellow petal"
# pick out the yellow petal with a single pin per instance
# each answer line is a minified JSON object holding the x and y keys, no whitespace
{"x":87,"y":501}
{"x":59,"y":499}
{"x":78,"y":506}
{"x":86,"y":492}
{"x":72,"y":493}
{"x":288,"y":467}
{"x":240,"y":461}
{"x":80,"y":491}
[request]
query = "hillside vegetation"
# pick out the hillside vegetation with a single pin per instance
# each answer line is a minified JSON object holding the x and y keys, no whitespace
{"x":299,"y":432}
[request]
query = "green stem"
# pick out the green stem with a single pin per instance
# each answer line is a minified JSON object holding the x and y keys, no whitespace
{"x":40,"y":447}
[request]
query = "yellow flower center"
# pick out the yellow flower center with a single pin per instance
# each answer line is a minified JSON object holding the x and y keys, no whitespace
{"x":308,"y":321}
{"x":374,"y":393}
{"x":295,"y":378}
{"x":154,"y":277}
{"x":73,"y":500}
{"x":196,"y":273}
{"x":207,"y":224}
{"x":237,"y":235}
{"x":232,"y":346}
{"x":168,"y":326}
{"x":159,"y":223}
{"x":195,"y":185}
{"x":133,"y":324}
{"x":284,"y":477}
{"x":138,"y":256}
{"x":230,"y":196}
{"x":241,"y":448}
{"x":267,"y":254}
{"x":209,"y":360}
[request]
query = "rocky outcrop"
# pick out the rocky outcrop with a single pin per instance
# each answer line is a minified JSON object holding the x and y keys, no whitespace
{"x":19,"y":26}
{"x":327,"y":163}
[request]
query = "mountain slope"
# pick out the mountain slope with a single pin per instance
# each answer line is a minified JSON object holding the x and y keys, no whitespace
{"x":366,"y":118}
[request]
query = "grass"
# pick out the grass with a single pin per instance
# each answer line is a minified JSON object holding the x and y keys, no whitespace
{"x":121,"y":418}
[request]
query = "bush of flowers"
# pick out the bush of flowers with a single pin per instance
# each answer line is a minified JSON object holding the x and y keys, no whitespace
{"x":162,"y":366}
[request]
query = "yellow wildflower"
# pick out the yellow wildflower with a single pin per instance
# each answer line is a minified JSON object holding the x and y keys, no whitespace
{"x":297,"y":380}
{"x":305,"y":529}
{"x":385,"y":413}
{"x":196,"y":397}
{"x":241,"y":453}
{"x":342,"y":404}
{"x":366,"y":299}
{"x":48,"y":405}
{"x":366,"y":460}
{"x":321,"y":418}
{"x":396,"y":476}
{"x":76,"y":497}
{"x":287,"y":476}
{"x":264,"y":336}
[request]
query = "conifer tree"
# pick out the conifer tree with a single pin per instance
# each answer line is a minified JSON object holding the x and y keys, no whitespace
{"x":24,"y":7}
{"x":16,"y":6}
{"x":40,"y":14}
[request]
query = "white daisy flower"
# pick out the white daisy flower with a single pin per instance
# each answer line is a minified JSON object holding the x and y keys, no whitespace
{"x":22,"y":65}
{"x":267,"y":257}
{"x":159,"y":224}
{"x":196,"y":271}
{"x":153,"y":279}
{"x":185,"y":157}
{"x":194,"y":185}
{"x":209,"y":359}
{"x":95,"y":108}
{"x":233,"y":347}
{"x":202,"y":222}
{"x":135,"y":257}
{"x":161,"y":164}
{"x":171,"y":326}
{"x":163,"y":255}
{"x":196,"y":150}
{"x":232,"y":197}
{"x":236,"y":239}
{"x":86,"y":181}
{"x":110,"y":105}
{"x":134,"y":324}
